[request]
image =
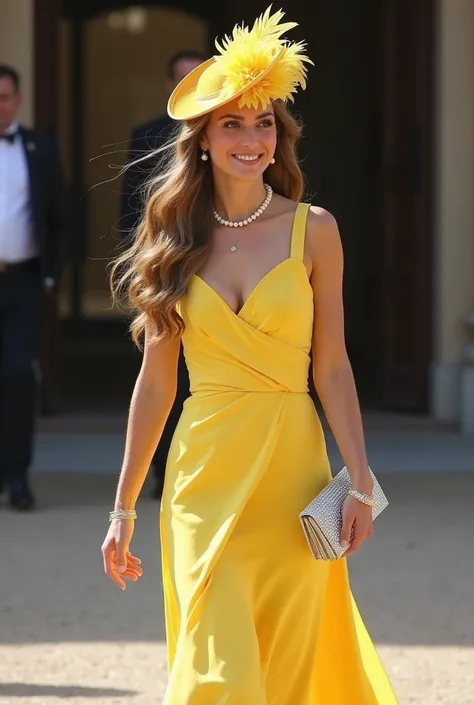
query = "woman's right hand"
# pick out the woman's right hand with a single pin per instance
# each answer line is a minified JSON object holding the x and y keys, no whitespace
{"x":118,"y":561}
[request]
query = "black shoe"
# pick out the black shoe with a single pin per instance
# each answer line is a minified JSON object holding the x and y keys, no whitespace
{"x":22,"y":499}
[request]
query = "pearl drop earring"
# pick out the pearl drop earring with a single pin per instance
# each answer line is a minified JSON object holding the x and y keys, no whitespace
{"x":204,"y":156}
{"x":272,"y":161}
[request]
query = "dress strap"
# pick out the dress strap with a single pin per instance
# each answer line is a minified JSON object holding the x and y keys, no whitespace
{"x":298,"y":233}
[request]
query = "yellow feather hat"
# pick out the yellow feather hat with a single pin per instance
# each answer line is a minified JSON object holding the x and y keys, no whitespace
{"x":254,"y":65}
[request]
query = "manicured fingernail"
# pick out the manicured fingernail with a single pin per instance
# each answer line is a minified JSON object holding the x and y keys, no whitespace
{"x":123,"y":588}
{"x":343,"y":543}
{"x":121,"y":569}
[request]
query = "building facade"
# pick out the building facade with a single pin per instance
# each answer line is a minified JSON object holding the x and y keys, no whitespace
{"x":388,"y":148}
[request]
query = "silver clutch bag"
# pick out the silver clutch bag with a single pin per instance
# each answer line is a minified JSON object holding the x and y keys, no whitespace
{"x":322,"y":518}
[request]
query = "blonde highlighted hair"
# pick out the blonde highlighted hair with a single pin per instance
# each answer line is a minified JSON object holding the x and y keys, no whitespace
{"x":171,"y":241}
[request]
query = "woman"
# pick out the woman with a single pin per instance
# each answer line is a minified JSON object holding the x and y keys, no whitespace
{"x":250,"y":288}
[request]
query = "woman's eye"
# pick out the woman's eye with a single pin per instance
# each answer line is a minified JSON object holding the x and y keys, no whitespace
{"x":232,"y":124}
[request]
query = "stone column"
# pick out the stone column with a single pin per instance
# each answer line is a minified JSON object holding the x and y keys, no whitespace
{"x":454,"y":202}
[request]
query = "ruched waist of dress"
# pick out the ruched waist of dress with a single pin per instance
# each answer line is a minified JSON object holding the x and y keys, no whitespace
{"x":217,"y":375}
{"x":208,"y":391}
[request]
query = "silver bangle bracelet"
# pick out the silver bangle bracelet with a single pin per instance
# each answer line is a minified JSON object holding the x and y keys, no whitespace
{"x":362,"y":497}
{"x":122,"y":514}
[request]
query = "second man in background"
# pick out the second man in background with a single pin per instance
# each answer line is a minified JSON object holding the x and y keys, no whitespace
{"x":145,"y":138}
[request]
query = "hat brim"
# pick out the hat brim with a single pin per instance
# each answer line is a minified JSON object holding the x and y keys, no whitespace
{"x":183,"y":103}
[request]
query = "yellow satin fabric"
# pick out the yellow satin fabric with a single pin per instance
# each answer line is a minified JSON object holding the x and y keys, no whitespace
{"x":251,"y":617}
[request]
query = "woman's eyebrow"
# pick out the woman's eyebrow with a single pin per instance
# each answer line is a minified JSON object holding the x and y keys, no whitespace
{"x":240,"y":117}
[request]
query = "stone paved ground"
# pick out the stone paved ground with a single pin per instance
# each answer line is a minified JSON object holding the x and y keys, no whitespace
{"x":67,"y":634}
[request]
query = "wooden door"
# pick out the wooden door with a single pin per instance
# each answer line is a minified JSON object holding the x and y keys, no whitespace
{"x":407,"y":203}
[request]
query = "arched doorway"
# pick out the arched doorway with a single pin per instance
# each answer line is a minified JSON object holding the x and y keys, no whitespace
{"x":112,"y":77}
{"x":108,"y":75}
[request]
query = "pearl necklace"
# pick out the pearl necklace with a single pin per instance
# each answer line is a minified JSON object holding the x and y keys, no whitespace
{"x":251,"y":218}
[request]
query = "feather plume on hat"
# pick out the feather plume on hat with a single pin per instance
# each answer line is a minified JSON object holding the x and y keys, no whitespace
{"x":245,"y":55}
{"x":254,"y":66}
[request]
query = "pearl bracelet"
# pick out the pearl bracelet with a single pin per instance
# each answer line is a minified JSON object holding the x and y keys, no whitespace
{"x":122,"y":514}
{"x":362,"y":497}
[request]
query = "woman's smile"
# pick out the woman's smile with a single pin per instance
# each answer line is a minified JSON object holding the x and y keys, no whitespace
{"x":248,"y":158}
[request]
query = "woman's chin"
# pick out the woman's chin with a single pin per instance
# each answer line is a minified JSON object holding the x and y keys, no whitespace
{"x":238,"y":172}
{"x":250,"y":173}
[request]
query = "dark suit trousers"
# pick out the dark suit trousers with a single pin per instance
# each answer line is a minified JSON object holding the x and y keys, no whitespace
{"x":161,"y":454}
{"x":20,"y":312}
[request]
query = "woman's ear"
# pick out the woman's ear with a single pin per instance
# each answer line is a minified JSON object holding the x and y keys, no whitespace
{"x":203,"y":142}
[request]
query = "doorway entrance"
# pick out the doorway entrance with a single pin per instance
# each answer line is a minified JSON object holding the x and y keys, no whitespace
{"x":116,"y":62}
{"x":112,"y":61}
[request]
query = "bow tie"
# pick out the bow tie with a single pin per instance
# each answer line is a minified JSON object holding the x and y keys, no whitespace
{"x":9,"y":137}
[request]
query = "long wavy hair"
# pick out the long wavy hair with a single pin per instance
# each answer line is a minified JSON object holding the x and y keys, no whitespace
{"x":171,"y":242}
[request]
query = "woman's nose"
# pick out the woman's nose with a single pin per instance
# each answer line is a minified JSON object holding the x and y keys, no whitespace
{"x":250,"y":139}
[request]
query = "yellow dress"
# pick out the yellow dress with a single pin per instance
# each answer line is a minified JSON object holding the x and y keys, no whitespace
{"x":251,"y":617}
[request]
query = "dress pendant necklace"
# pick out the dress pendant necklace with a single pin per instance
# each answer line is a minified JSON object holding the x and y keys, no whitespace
{"x":246,"y":221}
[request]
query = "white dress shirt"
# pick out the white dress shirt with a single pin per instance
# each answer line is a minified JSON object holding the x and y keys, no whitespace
{"x":16,"y":237}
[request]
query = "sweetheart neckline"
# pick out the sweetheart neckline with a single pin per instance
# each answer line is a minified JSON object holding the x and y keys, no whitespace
{"x":260,"y":282}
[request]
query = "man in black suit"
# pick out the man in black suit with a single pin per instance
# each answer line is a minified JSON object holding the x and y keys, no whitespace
{"x":146,"y":138}
{"x":33,"y":229}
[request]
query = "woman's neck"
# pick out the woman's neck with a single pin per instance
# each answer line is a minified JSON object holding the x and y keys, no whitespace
{"x":237,"y":200}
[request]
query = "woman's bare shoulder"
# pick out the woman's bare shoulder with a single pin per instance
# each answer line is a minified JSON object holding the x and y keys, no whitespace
{"x":317,"y":217}
{"x":322,"y":233}
{"x":320,"y":218}
{"x":320,"y":221}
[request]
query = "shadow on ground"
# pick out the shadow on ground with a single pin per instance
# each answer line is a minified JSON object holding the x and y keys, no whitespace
{"x":25,"y":690}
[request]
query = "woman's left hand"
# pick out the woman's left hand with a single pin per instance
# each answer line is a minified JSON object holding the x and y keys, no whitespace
{"x":357,"y":516}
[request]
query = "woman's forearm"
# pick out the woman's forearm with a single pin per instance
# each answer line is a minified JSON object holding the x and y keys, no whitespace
{"x":149,"y":410}
{"x":337,"y":392}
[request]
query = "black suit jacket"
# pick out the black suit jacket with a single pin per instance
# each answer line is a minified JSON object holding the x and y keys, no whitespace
{"x":145,"y":138}
{"x":50,"y":218}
